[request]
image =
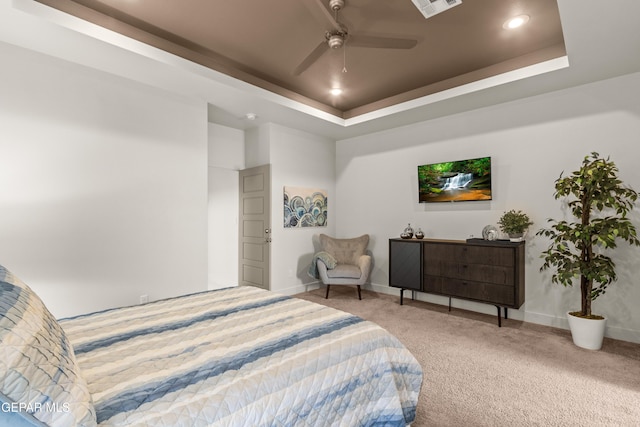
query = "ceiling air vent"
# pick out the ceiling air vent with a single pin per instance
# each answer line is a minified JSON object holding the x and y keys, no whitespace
{"x":432,"y":7}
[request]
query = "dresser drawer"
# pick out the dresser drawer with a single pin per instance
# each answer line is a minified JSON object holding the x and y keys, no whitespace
{"x":478,"y":291}
{"x":496,"y":274}
{"x":469,"y":254}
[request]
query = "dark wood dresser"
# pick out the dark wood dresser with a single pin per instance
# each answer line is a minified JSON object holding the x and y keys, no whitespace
{"x":490,"y":272}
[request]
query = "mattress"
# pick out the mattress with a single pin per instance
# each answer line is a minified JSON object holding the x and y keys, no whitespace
{"x":242,"y":356}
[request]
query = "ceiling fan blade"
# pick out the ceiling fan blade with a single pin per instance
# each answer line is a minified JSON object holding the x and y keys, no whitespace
{"x":380,"y":42}
{"x":320,"y":9}
{"x":313,"y":57}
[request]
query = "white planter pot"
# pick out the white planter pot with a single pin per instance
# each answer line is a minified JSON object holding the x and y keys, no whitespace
{"x":516,"y":237}
{"x":587,"y":333}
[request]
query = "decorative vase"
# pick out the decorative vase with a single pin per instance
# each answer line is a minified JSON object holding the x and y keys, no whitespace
{"x":489,"y":232}
{"x":419,"y":234}
{"x":587,"y":333}
{"x":408,"y":231}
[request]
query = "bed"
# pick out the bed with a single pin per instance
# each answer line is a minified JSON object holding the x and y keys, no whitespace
{"x":232,"y":357}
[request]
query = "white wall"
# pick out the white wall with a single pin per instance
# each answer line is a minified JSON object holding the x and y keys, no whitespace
{"x":298,"y":159}
{"x":103,"y":185}
{"x":226,"y":158}
{"x":257,"y":142}
{"x":530,"y":141}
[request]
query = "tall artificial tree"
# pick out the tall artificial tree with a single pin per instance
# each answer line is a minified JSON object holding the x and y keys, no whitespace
{"x":599,"y":202}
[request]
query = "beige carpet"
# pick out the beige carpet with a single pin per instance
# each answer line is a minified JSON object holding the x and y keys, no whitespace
{"x":476,"y":374}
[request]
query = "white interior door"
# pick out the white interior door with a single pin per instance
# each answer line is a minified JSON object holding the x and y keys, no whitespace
{"x":255,"y":226}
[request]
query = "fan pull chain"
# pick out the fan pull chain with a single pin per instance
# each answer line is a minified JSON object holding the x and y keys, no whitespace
{"x":344,"y":58}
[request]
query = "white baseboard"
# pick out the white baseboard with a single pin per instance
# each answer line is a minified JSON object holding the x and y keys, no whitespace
{"x":216,"y":285}
{"x":440,"y":300}
{"x":614,"y":332}
{"x":298,"y":289}
{"x":522,"y":315}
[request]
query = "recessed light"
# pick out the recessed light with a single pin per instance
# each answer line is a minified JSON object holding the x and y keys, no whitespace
{"x":251,"y":116}
{"x":336,"y":91}
{"x":515,"y":22}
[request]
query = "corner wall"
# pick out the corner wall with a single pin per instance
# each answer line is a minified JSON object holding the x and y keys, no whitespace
{"x":226,"y":158}
{"x":531,"y":141}
{"x":298,"y":159}
{"x":103,"y":185}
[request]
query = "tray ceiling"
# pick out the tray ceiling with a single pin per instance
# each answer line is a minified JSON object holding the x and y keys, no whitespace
{"x":262,"y":42}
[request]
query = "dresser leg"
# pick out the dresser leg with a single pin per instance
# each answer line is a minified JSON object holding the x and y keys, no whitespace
{"x":499,"y":316}
{"x":401,"y":295}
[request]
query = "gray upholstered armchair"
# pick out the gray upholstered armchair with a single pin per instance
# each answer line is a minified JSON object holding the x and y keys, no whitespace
{"x":352,"y":265}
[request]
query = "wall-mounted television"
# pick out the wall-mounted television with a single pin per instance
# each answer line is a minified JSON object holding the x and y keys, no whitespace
{"x":462,"y":180}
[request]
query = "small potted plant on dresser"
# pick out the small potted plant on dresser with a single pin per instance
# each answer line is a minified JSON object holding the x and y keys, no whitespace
{"x":599,"y":202}
{"x":515,"y":224}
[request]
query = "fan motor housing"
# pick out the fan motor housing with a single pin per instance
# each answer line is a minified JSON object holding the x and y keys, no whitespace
{"x":335,"y":40}
{"x":336,"y":4}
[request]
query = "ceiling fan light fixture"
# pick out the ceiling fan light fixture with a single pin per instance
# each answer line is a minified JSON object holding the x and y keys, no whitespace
{"x":335,"y":40}
{"x":515,"y":22}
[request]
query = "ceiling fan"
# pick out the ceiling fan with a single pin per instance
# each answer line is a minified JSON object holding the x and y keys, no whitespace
{"x":339,"y":35}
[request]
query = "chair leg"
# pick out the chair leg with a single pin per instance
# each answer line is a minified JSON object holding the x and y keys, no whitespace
{"x":327,"y":294}
{"x":359,"y":295}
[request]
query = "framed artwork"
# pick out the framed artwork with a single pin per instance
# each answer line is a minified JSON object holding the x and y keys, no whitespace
{"x":305,"y":207}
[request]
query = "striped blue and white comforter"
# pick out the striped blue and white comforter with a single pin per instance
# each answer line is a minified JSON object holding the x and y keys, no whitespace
{"x":243,"y":357}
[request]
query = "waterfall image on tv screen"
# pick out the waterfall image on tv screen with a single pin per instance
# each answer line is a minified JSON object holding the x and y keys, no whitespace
{"x":458,"y":181}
